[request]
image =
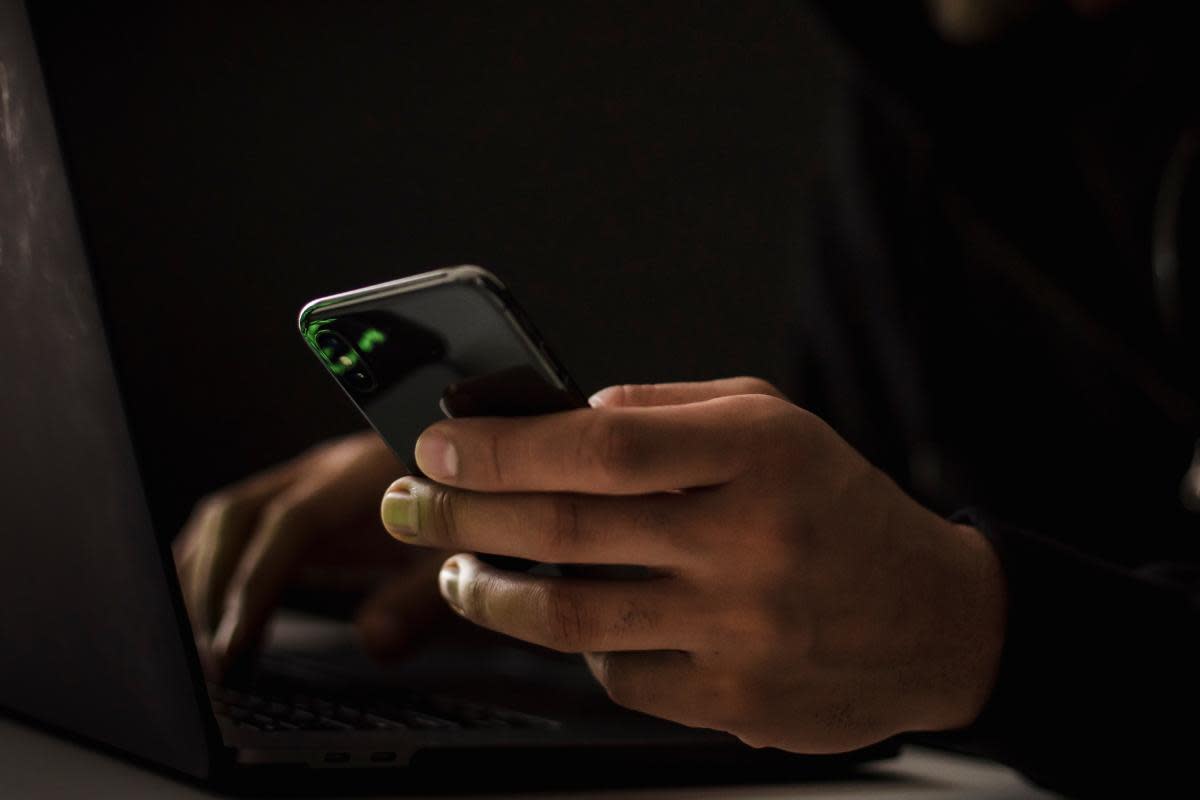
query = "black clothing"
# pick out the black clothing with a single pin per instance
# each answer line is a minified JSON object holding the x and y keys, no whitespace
{"x":979,"y":316}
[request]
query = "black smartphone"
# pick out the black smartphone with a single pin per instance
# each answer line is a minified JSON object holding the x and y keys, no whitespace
{"x":452,"y":342}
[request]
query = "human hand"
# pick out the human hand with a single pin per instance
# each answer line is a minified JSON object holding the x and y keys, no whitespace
{"x":798,"y":599}
{"x":310,"y":521}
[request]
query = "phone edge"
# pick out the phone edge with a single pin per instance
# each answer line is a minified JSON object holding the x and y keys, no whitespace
{"x":407,"y":283}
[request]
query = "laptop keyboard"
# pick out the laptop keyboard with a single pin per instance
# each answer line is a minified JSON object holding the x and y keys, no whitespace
{"x":297,"y":711}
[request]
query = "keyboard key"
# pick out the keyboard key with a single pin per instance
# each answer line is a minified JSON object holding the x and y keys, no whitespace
{"x":379,"y":723}
{"x":415,"y":719}
{"x":329,"y":724}
{"x":348,"y":715}
{"x":283,"y":710}
{"x":522,"y":720}
{"x":486,"y":722}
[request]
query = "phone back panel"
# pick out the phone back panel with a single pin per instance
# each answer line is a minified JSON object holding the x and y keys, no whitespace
{"x":450,"y":343}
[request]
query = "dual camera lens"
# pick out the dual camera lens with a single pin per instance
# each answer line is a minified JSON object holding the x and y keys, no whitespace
{"x":346,"y":363}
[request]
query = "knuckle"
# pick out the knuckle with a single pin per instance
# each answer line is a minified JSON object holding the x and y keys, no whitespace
{"x":286,"y":522}
{"x":473,"y":598}
{"x":442,"y":521}
{"x":662,"y":523}
{"x":219,"y":507}
{"x":808,"y":425}
{"x":569,"y":627}
{"x":211,"y":503}
{"x":762,"y":407}
{"x":749,"y":384}
{"x":765,"y":421}
{"x":633,"y":394}
{"x":634,"y":617}
{"x":497,"y":457}
{"x":282,"y":512}
{"x":322,"y":455}
{"x":613,"y":447}
{"x":564,"y":530}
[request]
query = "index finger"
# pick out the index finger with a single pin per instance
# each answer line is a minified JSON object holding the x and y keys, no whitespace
{"x":591,"y":450}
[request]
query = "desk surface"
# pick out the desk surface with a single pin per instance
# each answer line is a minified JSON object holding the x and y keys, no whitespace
{"x":34,"y":764}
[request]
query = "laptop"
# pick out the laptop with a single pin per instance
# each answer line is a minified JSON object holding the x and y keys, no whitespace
{"x":96,"y":641}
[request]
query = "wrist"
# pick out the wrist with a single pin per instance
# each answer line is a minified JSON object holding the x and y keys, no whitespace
{"x":977,"y":616}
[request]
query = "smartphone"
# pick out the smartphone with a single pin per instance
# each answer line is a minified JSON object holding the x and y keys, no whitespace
{"x":452,"y":342}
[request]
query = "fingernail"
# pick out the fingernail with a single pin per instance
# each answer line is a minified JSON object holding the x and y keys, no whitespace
{"x":399,"y":513}
{"x":448,"y":584}
{"x":600,"y":397}
{"x":436,"y":456}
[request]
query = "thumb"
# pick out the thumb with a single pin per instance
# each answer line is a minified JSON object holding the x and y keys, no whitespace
{"x":673,"y":394}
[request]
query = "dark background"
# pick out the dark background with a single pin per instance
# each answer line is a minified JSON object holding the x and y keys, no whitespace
{"x":628,"y":168}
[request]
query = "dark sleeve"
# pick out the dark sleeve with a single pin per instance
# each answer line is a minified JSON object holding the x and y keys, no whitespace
{"x":1098,"y":691}
{"x":1099,"y":683}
